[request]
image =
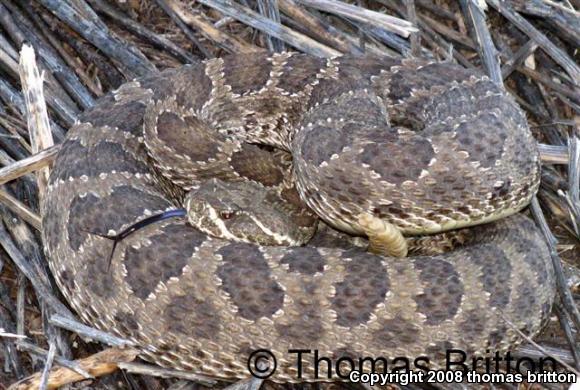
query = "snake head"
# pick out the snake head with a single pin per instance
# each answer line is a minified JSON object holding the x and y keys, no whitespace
{"x":243,"y":212}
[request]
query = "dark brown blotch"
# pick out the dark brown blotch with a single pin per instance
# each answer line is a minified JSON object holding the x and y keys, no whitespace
{"x":298,"y":212}
{"x":147,"y":266}
{"x":306,"y":261}
{"x":254,"y":163}
{"x":364,"y":287}
{"x":247,"y":278}
{"x":246,"y":73}
{"x":72,"y":154}
{"x":354,"y":74}
{"x":92,"y":214}
{"x":192,"y":316}
{"x":321,"y":142}
{"x":368,"y":65}
{"x":409,"y":78}
{"x":483,"y":139}
{"x":396,"y":333}
{"x":127,"y":116}
{"x":495,"y":272}
{"x":397,"y":159}
{"x":358,"y":113}
{"x":528,"y":306}
{"x":110,"y":156}
{"x":468,"y":100}
{"x":97,"y":276}
{"x":330,"y":89}
{"x":189,"y":85}
{"x":75,"y":161}
{"x":535,"y":255}
{"x":161,"y":84}
{"x":442,"y":290}
{"x":300,"y":71}
{"x":188,"y":136}
{"x":473,"y":326}
{"x":194,"y":87}
{"x":82,"y":219}
{"x":266,"y":112}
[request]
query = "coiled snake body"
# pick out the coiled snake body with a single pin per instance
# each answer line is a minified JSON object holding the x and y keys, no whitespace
{"x":424,"y":146}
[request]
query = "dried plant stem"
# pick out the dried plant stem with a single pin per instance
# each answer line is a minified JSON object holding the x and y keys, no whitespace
{"x":99,"y":364}
{"x":386,"y":22}
{"x":148,"y":369}
{"x":487,"y":49}
{"x":554,"y":51}
{"x":28,"y":165}
{"x":226,"y":41}
{"x":38,"y":125}
{"x":21,"y":210}
{"x":291,"y":37}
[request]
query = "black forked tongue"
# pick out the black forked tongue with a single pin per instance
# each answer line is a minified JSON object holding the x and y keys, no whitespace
{"x":117,"y":238}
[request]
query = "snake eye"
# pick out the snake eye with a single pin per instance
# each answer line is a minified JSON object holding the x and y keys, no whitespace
{"x":227,"y":214}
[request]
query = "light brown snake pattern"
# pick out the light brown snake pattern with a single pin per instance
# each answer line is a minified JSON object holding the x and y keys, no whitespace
{"x":425,"y":146}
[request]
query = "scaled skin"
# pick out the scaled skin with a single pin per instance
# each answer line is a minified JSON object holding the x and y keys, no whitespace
{"x":404,"y":146}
